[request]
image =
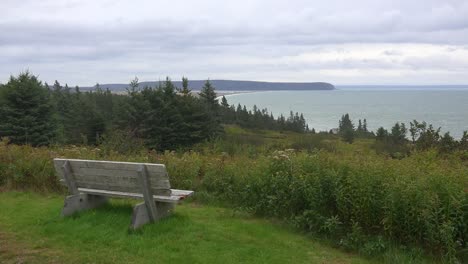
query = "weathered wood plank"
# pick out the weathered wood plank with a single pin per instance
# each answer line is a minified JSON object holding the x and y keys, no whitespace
{"x":159,"y":198}
{"x":146,"y":191}
{"x":68,"y":176}
{"x":185,"y":193}
{"x":120,"y":176}
{"x":134,"y":188}
{"x":128,"y":189}
{"x":119,"y":165}
{"x":156,"y":183}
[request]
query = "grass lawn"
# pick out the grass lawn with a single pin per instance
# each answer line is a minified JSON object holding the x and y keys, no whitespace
{"x":31,"y":231}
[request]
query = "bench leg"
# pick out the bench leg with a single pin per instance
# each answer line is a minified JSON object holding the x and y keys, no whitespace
{"x":140,"y":213}
{"x":80,"y":202}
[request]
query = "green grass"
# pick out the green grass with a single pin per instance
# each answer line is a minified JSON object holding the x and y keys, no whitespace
{"x":31,"y":231}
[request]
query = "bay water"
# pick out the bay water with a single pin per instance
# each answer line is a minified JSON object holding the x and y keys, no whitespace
{"x":445,"y":108}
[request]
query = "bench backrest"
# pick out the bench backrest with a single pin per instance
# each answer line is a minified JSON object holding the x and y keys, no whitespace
{"x":114,"y":176}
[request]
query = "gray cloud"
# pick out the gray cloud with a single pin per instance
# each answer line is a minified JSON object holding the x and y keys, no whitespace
{"x":83,"y":42}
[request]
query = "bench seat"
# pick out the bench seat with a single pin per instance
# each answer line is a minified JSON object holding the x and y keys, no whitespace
{"x":176,"y":195}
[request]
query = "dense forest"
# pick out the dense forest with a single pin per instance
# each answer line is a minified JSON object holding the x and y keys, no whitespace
{"x":162,"y":117}
{"x":166,"y":117}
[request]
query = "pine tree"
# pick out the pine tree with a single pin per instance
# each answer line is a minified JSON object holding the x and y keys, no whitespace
{"x":185,"y":90}
{"x":133,"y":86}
{"x":26,"y":111}
{"x":224,"y":102}
{"x":359,"y":128}
{"x":208,"y":94}
{"x":346,"y":129}
{"x":447,"y":143}
{"x":463,"y":144}
{"x":381,"y":134}
{"x":208,"y":97}
{"x":398,"y":134}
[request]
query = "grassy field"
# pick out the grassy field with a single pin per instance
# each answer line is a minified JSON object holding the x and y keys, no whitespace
{"x":411,"y":209}
{"x":31,"y":231}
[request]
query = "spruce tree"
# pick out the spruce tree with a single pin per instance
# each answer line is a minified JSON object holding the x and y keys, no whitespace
{"x":346,"y":129}
{"x":208,"y":97}
{"x":463,"y":144}
{"x":208,"y":94}
{"x":185,"y":90}
{"x":382,"y":134}
{"x":224,"y":102}
{"x":447,"y":143}
{"x":26,"y":112}
{"x":398,"y":134}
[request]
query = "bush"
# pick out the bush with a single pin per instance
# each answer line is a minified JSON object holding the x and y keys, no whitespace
{"x":360,"y":200}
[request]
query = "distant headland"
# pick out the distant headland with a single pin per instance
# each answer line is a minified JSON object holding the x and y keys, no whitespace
{"x":231,"y":85}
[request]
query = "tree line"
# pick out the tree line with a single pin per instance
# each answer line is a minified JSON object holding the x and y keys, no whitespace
{"x":422,"y":136}
{"x":162,"y":117}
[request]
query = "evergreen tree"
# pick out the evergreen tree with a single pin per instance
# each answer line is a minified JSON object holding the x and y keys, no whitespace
{"x":346,"y":129}
{"x":447,"y":143}
{"x":185,"y":90}
{"x":133,"y":86}
{"x":463,"y":144}
{"x":428,"y":136}
{"x":382,"y":134}
{"x":26,"y":111}
{"x":224,"y":102}
{"x":414,"y":130}
{"x":208,"y":94}
{"x":133,"y":110}
{"x":208,"y":97}
{"x":398,"y":134}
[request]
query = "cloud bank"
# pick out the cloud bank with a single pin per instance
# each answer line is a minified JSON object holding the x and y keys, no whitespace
{"x":343,"y":42}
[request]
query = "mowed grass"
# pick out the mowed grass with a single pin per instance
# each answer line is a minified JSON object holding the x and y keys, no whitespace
{"x":31,"y":231}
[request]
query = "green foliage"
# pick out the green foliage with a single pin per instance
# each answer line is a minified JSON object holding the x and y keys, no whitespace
{"x":346,"y":129}
{"x":381,"y":134}
{"x":185,"y":89}
{"x":261,"y":118}
{"x":398,"y":134}
{"x":347,"y":193}
{"x":208,"y":94}
{"x":424,"y":136}
{"x":26,"y":114}
{"x":447,"y":143}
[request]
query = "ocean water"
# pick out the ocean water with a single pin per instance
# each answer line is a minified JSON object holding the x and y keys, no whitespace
{"x":445,"y":108}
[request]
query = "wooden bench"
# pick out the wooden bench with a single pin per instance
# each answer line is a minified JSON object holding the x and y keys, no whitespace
{"x":90,"y":182}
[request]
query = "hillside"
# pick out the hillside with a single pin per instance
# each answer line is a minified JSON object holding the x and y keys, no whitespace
{"x":194,"y":234}
{"x":230,"y":85}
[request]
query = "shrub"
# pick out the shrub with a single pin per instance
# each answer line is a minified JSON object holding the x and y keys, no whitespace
{"x":360,"y":200}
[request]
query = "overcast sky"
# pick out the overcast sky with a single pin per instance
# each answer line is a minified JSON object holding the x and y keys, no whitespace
{"x":342,"y":42}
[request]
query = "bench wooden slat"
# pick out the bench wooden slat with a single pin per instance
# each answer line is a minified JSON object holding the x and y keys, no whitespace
{"x":113,"y":175}
{"x":130,"y":188}
{"x":176,"y":196}
{"x":178,"y":192}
